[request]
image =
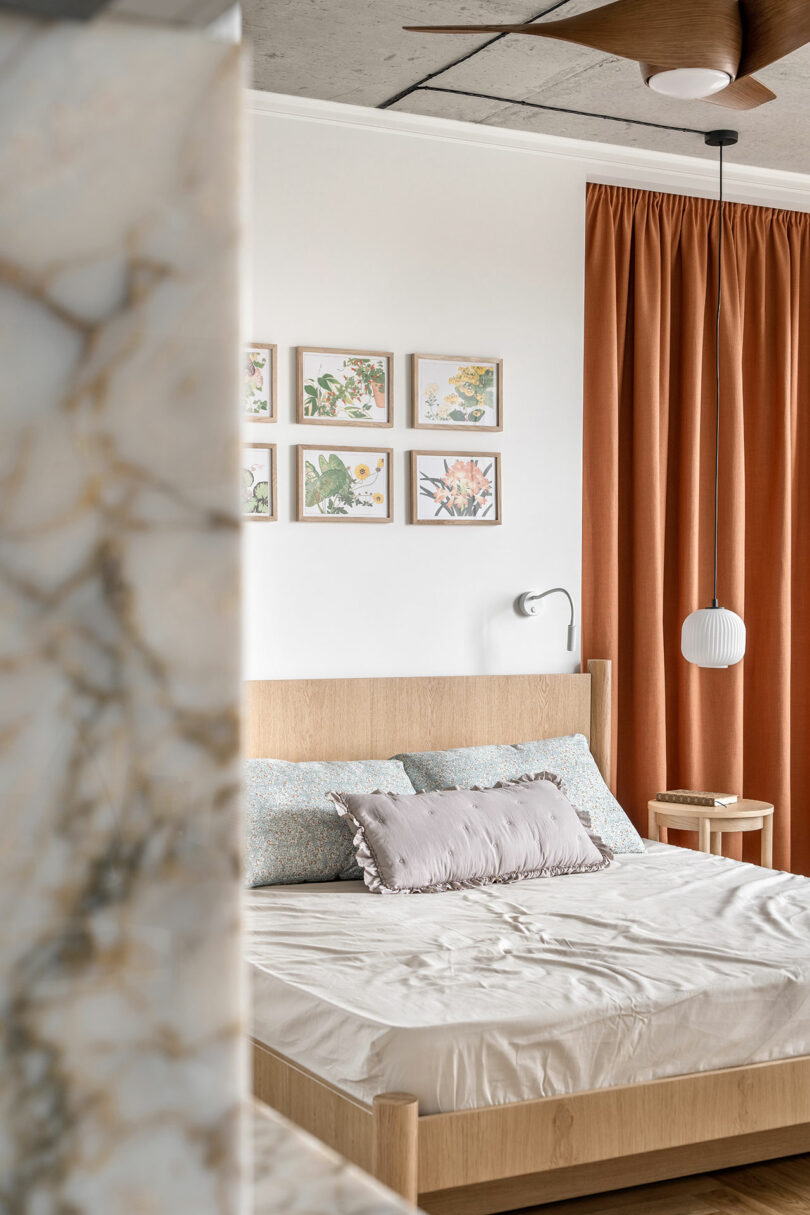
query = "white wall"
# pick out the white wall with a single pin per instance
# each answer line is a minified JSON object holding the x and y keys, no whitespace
{"x":404,"y":233}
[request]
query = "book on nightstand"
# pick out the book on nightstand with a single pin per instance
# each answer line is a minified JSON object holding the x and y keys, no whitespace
{"x":696,"y":797}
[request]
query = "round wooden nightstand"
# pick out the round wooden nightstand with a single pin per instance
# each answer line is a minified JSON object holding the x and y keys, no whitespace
{"x":711,"y":821}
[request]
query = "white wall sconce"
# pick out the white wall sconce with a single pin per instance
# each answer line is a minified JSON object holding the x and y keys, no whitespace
{"x":528,"y":604}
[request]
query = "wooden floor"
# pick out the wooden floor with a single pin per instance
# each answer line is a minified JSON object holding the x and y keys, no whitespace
{"x":780,"y":1187}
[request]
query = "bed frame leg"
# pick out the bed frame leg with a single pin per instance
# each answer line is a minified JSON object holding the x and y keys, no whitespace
{"x":396,"y":1143}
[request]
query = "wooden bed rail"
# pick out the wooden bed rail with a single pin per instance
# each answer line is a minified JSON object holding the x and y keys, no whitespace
{"x":498,"y":1158}
{"x":482,"y":1145}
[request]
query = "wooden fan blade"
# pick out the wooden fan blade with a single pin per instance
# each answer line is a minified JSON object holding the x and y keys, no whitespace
{"x":773,"y":29}
{"x":744,"y":94}
{"x":679,"y":33}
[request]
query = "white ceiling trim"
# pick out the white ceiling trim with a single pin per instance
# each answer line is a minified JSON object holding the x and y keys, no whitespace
{"x":608,"y":163}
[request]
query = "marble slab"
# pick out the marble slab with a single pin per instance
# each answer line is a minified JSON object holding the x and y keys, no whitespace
{"x":121,"y":998}
{"x":295,"y":1174}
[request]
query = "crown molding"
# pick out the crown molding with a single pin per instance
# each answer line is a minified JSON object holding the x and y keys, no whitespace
{"x":608,"y":163}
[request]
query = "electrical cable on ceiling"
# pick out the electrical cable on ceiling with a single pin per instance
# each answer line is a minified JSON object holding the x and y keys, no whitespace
{"x":463,"y":58}
{"x":556,"y":109}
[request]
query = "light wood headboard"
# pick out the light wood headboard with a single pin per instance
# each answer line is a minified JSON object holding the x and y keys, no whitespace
{"x":300,"y":719}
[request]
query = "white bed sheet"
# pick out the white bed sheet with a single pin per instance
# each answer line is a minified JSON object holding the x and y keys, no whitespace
{"x":663,"y":964}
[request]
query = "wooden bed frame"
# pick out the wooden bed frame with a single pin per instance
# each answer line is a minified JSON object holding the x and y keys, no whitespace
{"x":499,"y":1158}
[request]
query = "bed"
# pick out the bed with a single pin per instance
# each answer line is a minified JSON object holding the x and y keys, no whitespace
{"x":543,"y":1040}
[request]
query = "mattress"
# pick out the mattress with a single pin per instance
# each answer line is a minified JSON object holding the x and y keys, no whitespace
{"x":665,"y":963}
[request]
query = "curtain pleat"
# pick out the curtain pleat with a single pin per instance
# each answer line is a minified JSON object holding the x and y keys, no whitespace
{"x":648,"y":497}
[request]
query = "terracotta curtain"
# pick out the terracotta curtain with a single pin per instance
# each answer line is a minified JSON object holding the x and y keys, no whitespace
{"x":649,"y":415}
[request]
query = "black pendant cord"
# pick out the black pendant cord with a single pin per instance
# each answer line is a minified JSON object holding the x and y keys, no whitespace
{"x":721,"y":140}
{"x":717,"y":373}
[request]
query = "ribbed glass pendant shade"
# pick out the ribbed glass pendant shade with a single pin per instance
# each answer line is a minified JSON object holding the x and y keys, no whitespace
{"x":713,"y":637}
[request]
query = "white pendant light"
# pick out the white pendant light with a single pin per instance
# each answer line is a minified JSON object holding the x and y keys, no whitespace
{"x":715,"y":636}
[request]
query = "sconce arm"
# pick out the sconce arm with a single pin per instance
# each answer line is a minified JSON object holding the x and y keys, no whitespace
{"x":527,"y":606}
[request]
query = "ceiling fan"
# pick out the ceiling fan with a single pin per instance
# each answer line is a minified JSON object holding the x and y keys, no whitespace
{"x":690,"y":49}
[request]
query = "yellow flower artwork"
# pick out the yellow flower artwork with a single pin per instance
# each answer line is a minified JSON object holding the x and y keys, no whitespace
{"x":457,"y":393}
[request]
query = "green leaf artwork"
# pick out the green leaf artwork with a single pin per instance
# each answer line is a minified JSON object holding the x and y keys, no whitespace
{"x":247,"y":492}
{"x":255,"y":488}
{"x":329,"y":483}
{"x":345,"y":387}
{"x":332,"y":487}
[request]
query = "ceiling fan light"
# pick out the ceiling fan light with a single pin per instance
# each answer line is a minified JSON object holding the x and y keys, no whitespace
{"x":689,"y":84}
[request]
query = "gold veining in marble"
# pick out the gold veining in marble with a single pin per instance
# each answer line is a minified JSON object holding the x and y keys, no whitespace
{"x":120,"y":1025}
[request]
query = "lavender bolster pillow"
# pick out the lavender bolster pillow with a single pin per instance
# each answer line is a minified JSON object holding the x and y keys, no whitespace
{"x":453,"y":838}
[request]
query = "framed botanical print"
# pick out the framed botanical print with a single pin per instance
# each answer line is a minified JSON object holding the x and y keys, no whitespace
{"x":458,"y":487}
{"x":345,"y":387}
{"x":449,"y":392}
{"x":259,"y":496}
{"x":345,"y":484}
{"x":259,"y":382}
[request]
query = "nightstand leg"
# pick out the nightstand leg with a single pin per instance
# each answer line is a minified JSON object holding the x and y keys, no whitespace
{"x":652,"y":826}
{"x":767,"y":842}
{"x":717,"y":843}
{"x":704,"y":835}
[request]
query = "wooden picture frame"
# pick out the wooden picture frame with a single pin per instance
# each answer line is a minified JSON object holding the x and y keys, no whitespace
{"x":445,"y":516}
{"x":379,"y":465}
{"x":367,"y":402}
{"x":269,"y":384}
{"x":272,"y":497}
{"x":425,"y":415}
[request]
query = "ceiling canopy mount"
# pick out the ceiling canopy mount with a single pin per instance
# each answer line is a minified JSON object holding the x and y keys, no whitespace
{"x":721,"y":139}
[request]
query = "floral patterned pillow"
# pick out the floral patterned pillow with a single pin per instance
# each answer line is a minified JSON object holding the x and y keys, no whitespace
{"x":292,"y":831}
{"x":568,"y":756}
{"x":462,"y":766}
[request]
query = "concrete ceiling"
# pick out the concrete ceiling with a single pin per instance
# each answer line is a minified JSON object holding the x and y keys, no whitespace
{"x":356,"y":51}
